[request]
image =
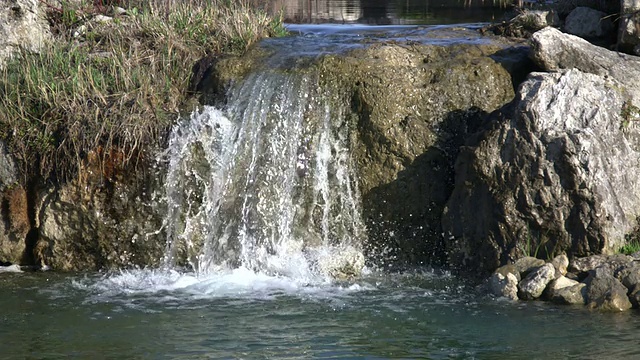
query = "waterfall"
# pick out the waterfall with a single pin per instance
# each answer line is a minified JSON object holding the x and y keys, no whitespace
{"x":268,"y":184}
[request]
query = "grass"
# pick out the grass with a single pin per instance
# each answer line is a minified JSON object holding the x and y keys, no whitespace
{"x":631,"y":247}
{"x":110,"y":91}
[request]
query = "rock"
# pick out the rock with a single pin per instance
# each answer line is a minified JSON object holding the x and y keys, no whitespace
{"x":588,"y":23}
{"x":93,"y":227}
{"x":15,"y":226}
{"x":14,"y":218}
{"x":532,"y":286}
{"x":553,"y":50}
{"x":509,"y":269}
{"x":118,"y":11}
{"x":504,"y":285}
{"x":409,"y":131}
{"x":634,"y":296}
{"x":557,"y":284}
{"x":628,"y":27}
{"x":575,"y":294}
{"x":526,"y":23}
{"x":609,"y":263}
{"x":586,"y":264}
{"x":8,"y":170}
{"x":630,"y":275}
{"x":101,"y":19}
{"x":526,"y":264}
{"x":560,"y":263}
{"x":22,"y":26}
{"x":604,"y":292}
{"x":565,"y":149}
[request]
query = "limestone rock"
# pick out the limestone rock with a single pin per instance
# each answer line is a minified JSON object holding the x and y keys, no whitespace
{"x":15,"y":225}
{"x":526,"y":264}
{"x":414,"y":106}
{"x":604,"y":292}
{"x":565,"y":149}
{"x":575,"y":294}
{"x":553,"y":50}
{"x":634,"y":296}
{"x":510,"y":269}
{"x":504,"y":285}
{"x":609,"y":264}
{"x":534,"y":284}
{"x":588,"y":23}
{"x":561,"y":264}
{"x":526,"y":23}
{"x":22,"y":25}
{"x":630,"y":275}
{"x":556,"y":285}
{"x":8,"y":170}
{"x":89,"y":228}
{"x":629,"y":27}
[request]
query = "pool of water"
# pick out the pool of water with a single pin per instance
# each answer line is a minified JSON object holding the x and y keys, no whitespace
{"x":241,"y":314}
{"x":387,"y":12}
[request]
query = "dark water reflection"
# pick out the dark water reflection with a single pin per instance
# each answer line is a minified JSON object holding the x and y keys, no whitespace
{"x":387,"y":12}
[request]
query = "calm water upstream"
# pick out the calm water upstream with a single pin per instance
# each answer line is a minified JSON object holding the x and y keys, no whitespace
{"x":264,"y":212}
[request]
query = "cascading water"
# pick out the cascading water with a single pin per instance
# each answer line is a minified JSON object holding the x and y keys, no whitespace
{"x":266,"y":185}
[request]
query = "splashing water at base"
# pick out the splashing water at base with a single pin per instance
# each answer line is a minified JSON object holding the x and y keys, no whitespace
{"x":267,"y":185}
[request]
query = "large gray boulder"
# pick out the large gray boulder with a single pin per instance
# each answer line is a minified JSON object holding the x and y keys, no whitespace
{"x":553,"y":50}
{"x":629,"y":26}
{"x":22,"y":26}
{"x":604,"y":292}
{"x":552,"y":173}
{"x":588,"y":23}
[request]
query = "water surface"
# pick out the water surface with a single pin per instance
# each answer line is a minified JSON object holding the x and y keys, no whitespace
{"x":242,"y":314}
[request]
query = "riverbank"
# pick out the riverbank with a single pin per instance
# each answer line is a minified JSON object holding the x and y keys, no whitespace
{"x":104,"y":83}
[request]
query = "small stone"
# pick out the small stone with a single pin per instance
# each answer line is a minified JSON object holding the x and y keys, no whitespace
{"x":119,"y":11}
{"x":527,"y":264}
{"x":570,"y":295}
{"x":534,"y":284}
{"x":504,"y":285}
{"x":555,"y":285}
{"x":102,"y":19}
{"x":509,"y":269}
{"x":560,"y":263}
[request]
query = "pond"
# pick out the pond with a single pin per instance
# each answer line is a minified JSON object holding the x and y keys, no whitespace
{"x":245,"y":315}
{"x":391,"y":12}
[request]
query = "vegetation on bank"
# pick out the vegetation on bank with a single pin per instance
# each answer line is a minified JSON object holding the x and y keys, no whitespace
{"x":109,"y":89}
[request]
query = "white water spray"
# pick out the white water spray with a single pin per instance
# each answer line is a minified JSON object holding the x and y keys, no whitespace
{"x":267,"y":185}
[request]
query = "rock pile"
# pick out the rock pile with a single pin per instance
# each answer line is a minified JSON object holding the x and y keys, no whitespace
{"x":607,"y":283}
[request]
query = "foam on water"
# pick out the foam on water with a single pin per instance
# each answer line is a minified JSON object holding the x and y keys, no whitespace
{"x":11,"y":268}
{"x":266,"y":185}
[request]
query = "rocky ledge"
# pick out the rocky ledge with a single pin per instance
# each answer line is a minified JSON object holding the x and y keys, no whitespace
{"x":607,"y":283}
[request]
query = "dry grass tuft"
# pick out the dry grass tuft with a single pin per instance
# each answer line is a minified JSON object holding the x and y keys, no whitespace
{"x":118,"y":85}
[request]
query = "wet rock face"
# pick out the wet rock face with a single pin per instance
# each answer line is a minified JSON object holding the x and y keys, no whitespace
{"x":413,"y":107}
{"x":100,"y":227}
{"x":539,"y":176}
{"x":22,"y":25}
{"x":551,"y":172}
{"x":14,"y":219}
